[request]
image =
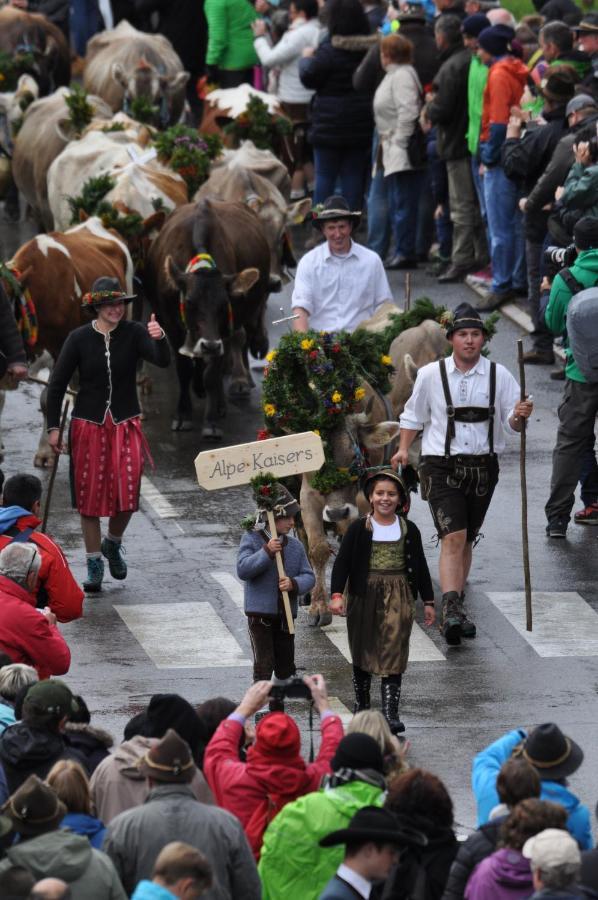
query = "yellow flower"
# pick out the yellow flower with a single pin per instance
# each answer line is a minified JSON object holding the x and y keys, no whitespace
{"x":271,"y":355}
{"x":269,"y":410}
{"x":386,"y":360}
{"x":307,"y":344}
{"x":359,"y":393}
{"x":336,"y":397}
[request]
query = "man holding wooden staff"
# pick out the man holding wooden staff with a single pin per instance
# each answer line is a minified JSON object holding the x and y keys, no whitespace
{"x":465,"y":405}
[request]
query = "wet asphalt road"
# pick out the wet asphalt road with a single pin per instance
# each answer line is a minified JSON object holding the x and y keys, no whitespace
{"x":181,"y":550}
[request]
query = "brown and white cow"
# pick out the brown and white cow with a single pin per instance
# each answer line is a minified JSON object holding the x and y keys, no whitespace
{"x":124,"y":64}
{"x":56,"y":270}
{"x":371,"y":430}
{"x":223,"y":298}
{"x":36,"y":36}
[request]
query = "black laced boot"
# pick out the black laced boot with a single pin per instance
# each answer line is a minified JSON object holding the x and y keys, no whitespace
{"x":361,"y":685}
{"x":451,"y":618}
{"x":391,"y":694}
{"x":468,"y":628}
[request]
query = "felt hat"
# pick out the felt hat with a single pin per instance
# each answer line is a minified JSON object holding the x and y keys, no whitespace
{"x":496,"y":40}
{"x":580,"y":101}
{"x":357,"y":751}
{"x":371,"y":823}
{"x":332,"y":209}
{"x":464,"y":316}
{"x":585,"y":233}
{"x":34,"y":808}
{"x":472,"y":26}
{"x":105,"y":291}
{"x":551,"y":848}
{"x":169,"y":761}
{"x":559,"y":85}
{"x":51,"y":697}
{"x":552,"y":754}
{"x":588,"y":24}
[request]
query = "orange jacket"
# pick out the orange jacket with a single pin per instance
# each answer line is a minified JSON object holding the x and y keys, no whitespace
{"x":64,"y":596}
{"x":506,"y":80}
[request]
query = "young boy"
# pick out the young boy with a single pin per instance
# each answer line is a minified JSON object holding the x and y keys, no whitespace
{"x":273,"y":646}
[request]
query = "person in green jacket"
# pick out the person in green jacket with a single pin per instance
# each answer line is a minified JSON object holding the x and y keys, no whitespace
{"x":471,"y":27}
{"x":577,"y":413}
{"x":292,"y":864}
{"x":230,"y":57}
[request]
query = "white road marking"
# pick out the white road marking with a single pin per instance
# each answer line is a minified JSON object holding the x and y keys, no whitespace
{"x":231,"y":585}
{"x":158,"y":502}
{"x":421,"y":647}
{"x":563,"y":623}
{"x":339,"y":709}
{"x":183,"y":635}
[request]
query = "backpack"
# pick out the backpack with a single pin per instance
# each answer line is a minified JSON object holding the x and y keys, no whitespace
{"x":582,"y":326}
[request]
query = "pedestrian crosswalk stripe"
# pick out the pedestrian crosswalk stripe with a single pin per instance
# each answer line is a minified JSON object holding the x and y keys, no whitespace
{"x":563,"y":623}
{"x":233,"y":588}
{"x":183,"y":635}
{"x":158,"y":502}
{"x":421,"y":647}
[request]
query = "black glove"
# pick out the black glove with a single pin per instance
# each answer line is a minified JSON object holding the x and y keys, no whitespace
{"x":213,"y":74}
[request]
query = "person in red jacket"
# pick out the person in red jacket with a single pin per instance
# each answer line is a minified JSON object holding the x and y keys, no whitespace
{"x":28,"y":635}
{"x":19,"y":519}
{"x":275,"y":773}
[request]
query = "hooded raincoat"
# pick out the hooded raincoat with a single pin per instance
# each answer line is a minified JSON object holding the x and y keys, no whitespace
{"x":506,"y":80}
{"x":505,"y":875}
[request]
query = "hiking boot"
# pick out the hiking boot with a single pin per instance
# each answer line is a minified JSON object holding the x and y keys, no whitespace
{"x":391,"y":695}
{"x":468,"y":628}
{"x":451,"y":618}
{"x":95,"y":574}
{"x":361,"y":686}
{"x":556,"y":528}
{"x":538,"y":357}
{"x":113,"y":551}
{"x":587,"y":516}
{"x":492,"y":301}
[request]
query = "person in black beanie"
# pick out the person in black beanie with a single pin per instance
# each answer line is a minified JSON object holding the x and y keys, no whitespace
{"x":166,"y":711}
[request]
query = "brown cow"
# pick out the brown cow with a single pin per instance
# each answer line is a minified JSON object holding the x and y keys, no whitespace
{"x":224,"y":298}
{"x":56,"y":270}
{"x":34,"y":34}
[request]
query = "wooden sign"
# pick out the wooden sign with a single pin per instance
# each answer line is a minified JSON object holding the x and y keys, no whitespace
{"x":292,"y":454}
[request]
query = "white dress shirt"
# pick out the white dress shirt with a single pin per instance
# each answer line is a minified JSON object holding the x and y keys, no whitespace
{"x":361,"y":885}
{"x":426,"y":408}
{"x":339,"y":292}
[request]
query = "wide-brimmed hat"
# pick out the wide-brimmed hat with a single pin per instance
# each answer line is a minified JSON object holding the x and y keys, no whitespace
{"x":168,"y":761}
{"x":371,"y":475}
{"x":464,"y":316}
{"x":371,"y":823}
{"x":588,"y":24}
{"x":552,"y":754}
{"x":105,"y":290}
{"x":34,"y":808}
{"x":333,"y":208}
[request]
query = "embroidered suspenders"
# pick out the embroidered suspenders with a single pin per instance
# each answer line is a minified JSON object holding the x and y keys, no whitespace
{"x":467,"y":413}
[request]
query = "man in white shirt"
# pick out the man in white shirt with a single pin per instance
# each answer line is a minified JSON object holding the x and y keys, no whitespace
{"x":465,"y":406}
{"x":373,"y":839}
{"x":339,"y":283}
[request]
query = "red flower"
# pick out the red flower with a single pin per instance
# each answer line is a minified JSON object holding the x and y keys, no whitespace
{"x":263,"y":434}
{"x":265,"y":490}
{"x":336,"y":348}
{"x":313,"y":354}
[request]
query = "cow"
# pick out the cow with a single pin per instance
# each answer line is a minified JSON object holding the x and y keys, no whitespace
{"x":369,"y":429}
{"x":141,"y":182}
{"x":54,"y":270}
{"x":124,"y":64}
{"x":245,"y":175}
{"x":222,"y":296}
{"x":12,"y":107}
{"x":35,"y":36}
{"x":42,"y":136}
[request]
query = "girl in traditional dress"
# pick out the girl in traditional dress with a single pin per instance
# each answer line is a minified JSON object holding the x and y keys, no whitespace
{"x":106,"y":443}
{"x":382,"y":561}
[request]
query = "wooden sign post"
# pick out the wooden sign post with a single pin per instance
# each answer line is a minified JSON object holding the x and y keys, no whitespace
{"x":292,"y":454}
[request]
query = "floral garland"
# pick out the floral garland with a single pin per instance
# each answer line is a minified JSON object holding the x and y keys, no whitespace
{"x":266,"y":494}
{"x":188,"y":153}
{"x":259,"y":125}
{"x":12,"y":66}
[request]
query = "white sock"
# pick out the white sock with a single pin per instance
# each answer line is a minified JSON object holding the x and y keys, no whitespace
{"x":115,"y":540}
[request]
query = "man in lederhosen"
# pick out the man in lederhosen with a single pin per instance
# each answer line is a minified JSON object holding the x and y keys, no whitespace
{"x":465,"y":406}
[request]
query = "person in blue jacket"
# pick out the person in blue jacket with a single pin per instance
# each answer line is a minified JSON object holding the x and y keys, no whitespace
{"x":554,"y":756}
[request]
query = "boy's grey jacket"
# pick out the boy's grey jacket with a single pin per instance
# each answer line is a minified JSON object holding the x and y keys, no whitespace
{"x":258,"y":570}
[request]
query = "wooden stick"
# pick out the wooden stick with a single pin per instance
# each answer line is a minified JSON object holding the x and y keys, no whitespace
{"x":46,"y":383}
{"x":407,"y":291}
{"x":54,"y":467}
{"x":524,"y":536}
{"x":281,"y":574}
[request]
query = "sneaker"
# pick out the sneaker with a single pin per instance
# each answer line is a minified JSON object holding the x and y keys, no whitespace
{"x":587,"y":516}
{"x":113,"y":552}
{"x":556,"y":528}
{"x":95,"y":574}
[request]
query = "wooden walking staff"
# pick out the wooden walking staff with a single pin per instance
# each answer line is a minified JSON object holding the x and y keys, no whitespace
{"x":524,"y":537}
{"x":286,"y":600}
{"x":54,"y":467}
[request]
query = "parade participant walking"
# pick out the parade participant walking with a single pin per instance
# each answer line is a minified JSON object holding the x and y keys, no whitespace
{"x":465,"y":406}
{"x":273,"y":647}
{"x":339,"y":283}
{"x":106,"y":442}
{"x":382,"y":560}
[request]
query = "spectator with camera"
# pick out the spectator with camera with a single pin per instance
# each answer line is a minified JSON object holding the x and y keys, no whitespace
{"x":275,"y":773}
{"x":577,"y":412}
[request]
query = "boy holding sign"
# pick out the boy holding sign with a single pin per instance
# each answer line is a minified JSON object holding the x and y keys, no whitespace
{"x":272,"y":641}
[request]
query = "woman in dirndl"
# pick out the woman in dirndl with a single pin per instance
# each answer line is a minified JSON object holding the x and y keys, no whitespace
{"x":106,"y":443}
{"x":382,"y":566}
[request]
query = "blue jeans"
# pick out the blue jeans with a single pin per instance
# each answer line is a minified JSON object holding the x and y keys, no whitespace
{"x":403,"y":196}
{"x":345,"y":164}
{"x":505,"y":224}
{"x":378,"y":211}
{"x":85,"y":22}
